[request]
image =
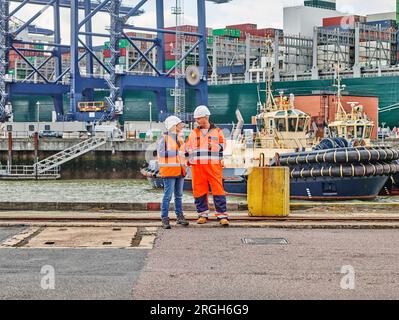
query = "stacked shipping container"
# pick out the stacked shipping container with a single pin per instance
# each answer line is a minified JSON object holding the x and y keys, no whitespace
{"x":252,"y":29}
{"x":343,"y":21}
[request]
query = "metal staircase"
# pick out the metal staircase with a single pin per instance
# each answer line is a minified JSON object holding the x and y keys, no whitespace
{"x":112,"y":78}
{"x":66,"y":155}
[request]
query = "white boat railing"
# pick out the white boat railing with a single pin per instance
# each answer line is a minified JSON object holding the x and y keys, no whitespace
{"x":26,"y":170}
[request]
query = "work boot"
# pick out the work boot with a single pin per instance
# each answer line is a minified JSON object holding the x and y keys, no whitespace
{"x":182,"y":221}
{"x":202,"y":220}
{"x":165,"y":223}
{"x":224,"y":222}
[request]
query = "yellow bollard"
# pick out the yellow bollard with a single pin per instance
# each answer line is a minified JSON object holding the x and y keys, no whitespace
{"x":269,"y":191}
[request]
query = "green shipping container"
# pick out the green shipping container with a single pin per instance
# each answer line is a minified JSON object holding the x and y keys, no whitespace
{"x":169,"y":64}
{"x":219,"y":32}
{"x":209,"y":40}
{"x":21,"y":74}
{"x":123,"y":43}
{"x":235,"y":33}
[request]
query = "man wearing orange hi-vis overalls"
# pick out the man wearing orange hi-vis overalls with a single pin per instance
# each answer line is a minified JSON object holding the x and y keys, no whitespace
{"x":204,"y":149}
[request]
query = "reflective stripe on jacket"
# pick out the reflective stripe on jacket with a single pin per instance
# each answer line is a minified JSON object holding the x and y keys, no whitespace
{"x":206,"y":148}
{"x":171,"y":159}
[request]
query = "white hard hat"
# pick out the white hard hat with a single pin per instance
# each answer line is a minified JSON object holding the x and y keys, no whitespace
{"x":201,"y":111}
{"x":172,"y":121}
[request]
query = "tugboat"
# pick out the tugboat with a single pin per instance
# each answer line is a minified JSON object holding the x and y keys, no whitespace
{"x":355,"y":126}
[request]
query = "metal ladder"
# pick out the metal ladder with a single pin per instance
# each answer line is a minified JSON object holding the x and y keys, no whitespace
{"x":71,"y":153}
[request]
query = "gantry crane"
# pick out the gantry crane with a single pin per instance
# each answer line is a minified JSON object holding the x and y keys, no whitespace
{"x":79,"y":87}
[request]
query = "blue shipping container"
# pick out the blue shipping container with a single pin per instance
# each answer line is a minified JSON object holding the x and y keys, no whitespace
{"x":385,"y":24}
{"x":230,"y":69}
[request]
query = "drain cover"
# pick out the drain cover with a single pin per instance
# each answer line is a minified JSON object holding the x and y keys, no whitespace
{"x":261,"y":241}
{"x":83,"y":237}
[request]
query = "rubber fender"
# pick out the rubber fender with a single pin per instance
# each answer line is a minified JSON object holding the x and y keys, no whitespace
{"x":345,"y":170}
{"x":343,"y":155}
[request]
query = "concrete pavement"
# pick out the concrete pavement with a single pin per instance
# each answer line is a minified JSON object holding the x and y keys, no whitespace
{"x":8,"y":232}
{"x":78,"y":273}
{"x":210,"y":264}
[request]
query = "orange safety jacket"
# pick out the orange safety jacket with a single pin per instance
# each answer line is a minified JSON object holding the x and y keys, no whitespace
{"x":171,"y":159}
{"x":206,"y":148}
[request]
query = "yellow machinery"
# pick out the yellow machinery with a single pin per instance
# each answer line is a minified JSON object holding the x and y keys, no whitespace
{"x":269,"y":191}
{"x":91,"y":106}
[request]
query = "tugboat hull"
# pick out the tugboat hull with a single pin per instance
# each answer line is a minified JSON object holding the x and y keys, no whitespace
{"x":330,"y":188}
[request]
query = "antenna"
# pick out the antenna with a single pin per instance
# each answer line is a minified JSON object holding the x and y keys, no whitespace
{"x":269,"y":94}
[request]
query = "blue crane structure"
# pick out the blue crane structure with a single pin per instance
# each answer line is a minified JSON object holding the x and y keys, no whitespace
{"x":79,"y":87}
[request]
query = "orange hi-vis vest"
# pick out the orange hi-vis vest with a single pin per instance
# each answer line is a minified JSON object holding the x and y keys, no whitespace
{"x":206,"y":148}
{"x":171,"y":161}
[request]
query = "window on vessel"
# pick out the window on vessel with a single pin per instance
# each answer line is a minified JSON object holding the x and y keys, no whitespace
{"x":301,"y":124}
{"x":368,"y":131}
{"x":271,"y":123}
{"x":360,"y":131}
{"x":31,"y":127}
{"x":280,"y":124}
{"x":260,"y":123}
{"x":47,"y":127}
{"x":280,"y":114}
{"x":351,"y":132}
{"x":292,"y":124}
{"x":334,"y":131}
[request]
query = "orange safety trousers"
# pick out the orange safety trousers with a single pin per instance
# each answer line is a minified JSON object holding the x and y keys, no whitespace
{"x":205,"y":153}
{"x":206,"y":177}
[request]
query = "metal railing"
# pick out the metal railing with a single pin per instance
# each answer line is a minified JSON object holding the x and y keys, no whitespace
{"x":274,"y":142}
{"x":71,"y":153}
{"x":30,"y":135}
{"x":26,"y":170}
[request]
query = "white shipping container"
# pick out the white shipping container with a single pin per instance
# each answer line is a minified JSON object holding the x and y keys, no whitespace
{"x":381,"y":16}
{"x":375,"y":44}
{"x":302,"y":20}
{"x":333,"y":48}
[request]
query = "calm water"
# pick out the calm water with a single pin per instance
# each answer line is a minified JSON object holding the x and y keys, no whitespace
{"x":84,"y":191}
{"x":96,"y":191}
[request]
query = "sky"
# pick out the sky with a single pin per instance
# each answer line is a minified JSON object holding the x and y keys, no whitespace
{"x":265,"y":13}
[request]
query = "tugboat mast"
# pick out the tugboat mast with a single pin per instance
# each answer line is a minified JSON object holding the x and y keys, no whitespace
{"x":341,"y":113}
